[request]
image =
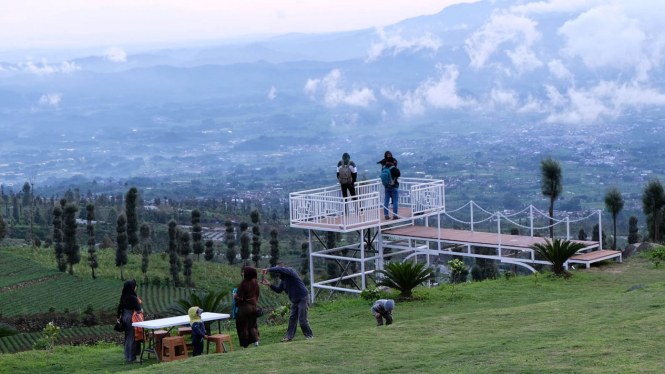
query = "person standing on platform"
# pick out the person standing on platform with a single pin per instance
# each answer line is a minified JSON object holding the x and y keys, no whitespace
{"x":389,"y":176}
{"x":347,"y":173}
{"x":298,"y":295}
{"x":387,"y":157}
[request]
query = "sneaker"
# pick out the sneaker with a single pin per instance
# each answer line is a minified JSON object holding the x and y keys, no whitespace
{"x":286,"y":340}
{"x":387,"y":218}
{"x":309,"y":337}
{"x":256,"y":344}
{"x":395,"y":217}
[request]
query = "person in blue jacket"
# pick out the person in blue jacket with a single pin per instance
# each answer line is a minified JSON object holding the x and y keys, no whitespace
{"x":298,"y":295}
{"x":198,"y":329}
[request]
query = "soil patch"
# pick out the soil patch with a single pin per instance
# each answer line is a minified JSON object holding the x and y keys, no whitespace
{"x":20,"y":285}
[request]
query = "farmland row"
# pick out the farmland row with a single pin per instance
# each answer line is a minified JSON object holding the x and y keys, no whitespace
{"x":22,"y":342}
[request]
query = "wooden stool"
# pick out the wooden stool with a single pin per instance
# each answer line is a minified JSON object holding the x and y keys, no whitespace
{"x":184,"y":331}
{"x":219,"y":340}
{"x":159,"y":335}
{"x":175,"y":347}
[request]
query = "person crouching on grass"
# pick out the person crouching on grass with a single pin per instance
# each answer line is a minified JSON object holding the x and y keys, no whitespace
{"x":383,"y":309}
{"x":198,"y":329}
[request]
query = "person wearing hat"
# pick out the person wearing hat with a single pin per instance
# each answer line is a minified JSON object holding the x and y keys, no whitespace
{"x":198,"y":329}
{"x":383,"y":309}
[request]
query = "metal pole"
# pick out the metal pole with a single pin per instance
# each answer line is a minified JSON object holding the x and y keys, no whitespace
{"x":498,"y":227}
{"x":531,"y":218}
{"x":362,"y":257}
{"x":438,"y":223}
{"x":311,"y":265}
{"x":567,"y":228}
{"x":471,"y":203}
{"x":600,"y":230}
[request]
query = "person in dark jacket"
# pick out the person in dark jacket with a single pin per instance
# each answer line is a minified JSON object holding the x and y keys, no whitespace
{"x":198,"y":329}
{"x":299,"y":297}
{"x":347,"y":173}
{"x":392,"y":192}
{"x":383,"y":309}
{"x":246,"y":298}
{"x":387,"y":157}
{"x":129,"y":303}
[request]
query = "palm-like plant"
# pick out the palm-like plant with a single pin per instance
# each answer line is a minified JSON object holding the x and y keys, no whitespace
{"x":614,"y":204}
{"x":557,"y":251}
{"x":550,"y":171}
{"x":213,"y":302}
{"x":405,"y":276}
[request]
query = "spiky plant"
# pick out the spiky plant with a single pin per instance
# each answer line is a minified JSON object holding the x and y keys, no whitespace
{"x":213,"y":302}
{"x":557,"y":251}
{"x":405,"y":276}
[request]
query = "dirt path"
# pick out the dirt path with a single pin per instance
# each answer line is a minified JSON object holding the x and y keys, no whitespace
{"x":20,"y":285}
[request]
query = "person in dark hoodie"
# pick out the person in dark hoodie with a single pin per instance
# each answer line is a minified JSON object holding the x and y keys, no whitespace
{"x":299,"y":297}
{"x":129,"y":303}
{"x":347,"y":173}
{"x":383,"y":309}
{"x":387,"y":157}
{"x":246,"y":298}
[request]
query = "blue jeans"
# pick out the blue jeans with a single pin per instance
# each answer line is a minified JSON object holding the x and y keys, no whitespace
{"x":391,"y":193}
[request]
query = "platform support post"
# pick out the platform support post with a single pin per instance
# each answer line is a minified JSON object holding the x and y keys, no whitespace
{"x":600,"y":230}
{"x":471,"y":204}
{"x":311,"y":265}
{"x":567,"y":228}
{"x":531,"y":218}
{"x":362,"y":257}
{"x":498,"y":228}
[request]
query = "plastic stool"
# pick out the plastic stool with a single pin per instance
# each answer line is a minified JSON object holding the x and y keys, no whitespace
{"x":175,"y":347}
{"x":219,"y":340}
{"x":159,"y":335}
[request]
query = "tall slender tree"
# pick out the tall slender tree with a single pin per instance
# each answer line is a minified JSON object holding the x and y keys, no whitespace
{"x":3,"y":228}
{"x":274,"y":247}
{"x":70,"y":229}
{"x":581,"y":235}
{"x":132,"y":217}
{"x":230,"y":242}
{"x":90,"y":228}
{"x":185,"y":250}
{"x":632,"y":230}
{"x":653,"y":201}
{"x":244,"y":246}
{"x":210,"y":252}
{"x":174,"y":260}
{"x":121,"y":239}
{"x":146,"y":249}
{"x":256,"y":237}
{"x":197,"y":235}
{"x":614,"y":205}
{"x":57,"y":238}
{"x":551,"y":185}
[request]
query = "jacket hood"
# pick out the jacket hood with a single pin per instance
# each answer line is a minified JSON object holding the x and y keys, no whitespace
{"x":388,"y":154}
{"x":194,"y":315}
{"x":249,"y":273}
{"x":346,"y":157}
{"x":128,"y":288}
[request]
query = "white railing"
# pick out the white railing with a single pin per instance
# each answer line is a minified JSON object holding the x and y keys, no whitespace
{"x":326,"y":208}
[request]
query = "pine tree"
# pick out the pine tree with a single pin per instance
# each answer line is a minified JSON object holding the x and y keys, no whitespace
{"x":174,"y":260}
{"x":57,"y":238}
{"x":71,"y":247}
{"x":92,"y":256}
{"x":304,"y":265}
{"x":106,"y":242}
{"x":244,"y":247}
{"x":3,"y":228}
{"x":15,"y":207}
{"x":197,"y":236}
{"x":653,"y":201}
{"x":274,"y":247}
{"x":146,"y":249}
{"x":256,"y":238}
{"x":209,"y":254}
{"x":121,"y":239}
{"x":632,"y":230}
{"x":581,"y":235}
{"x":132,"y":217}
{"x":230,"y":243}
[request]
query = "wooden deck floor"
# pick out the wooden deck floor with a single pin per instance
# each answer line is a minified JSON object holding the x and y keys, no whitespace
{"x":336,"y":223}
{"x":595,"y":256}
{"x":473,"y":237}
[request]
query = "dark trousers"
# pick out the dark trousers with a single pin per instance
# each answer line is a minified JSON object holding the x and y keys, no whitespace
{"x":348,"y":188}
{"x":130,"y":345}
{"x":299,"y":315}
{"x":197,"y":340}
{"x":387,"y":315}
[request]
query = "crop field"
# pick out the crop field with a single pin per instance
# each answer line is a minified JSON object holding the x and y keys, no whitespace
{"x":23,"y":342}
{"x":15,"y":270}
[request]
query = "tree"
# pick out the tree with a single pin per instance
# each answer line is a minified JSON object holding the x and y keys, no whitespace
{"x":57,"y":238}
{"x":90,"y":228}
{"x":71,"y":247}
{"x":632,"y":230}
{"x":106,"y":242}
{"x":121,"y":239}
{"x":112,"y":217}
{"x":484,"y":268}
{"x":3,"y":228}
{"x":457,"y":270}
{"x":196,"y":233}
{"x":146,"y":249}
{"x":174,"y":260}
{"x":185,"y":250}
{"x":244,"y":247}
{"x":614,"y":204}
{"x":304,"y":254}
{"x":551,"y":186}
{"x":557,"y":252}
{"x":405,"y":276}
{"x":132,"y":217}
{"x":256,"y":238}
{"x":230,"y":243}
{"x":15,"y":209}
{"x":209,"y":254}
{"x":653,"y":201}
{"x":274,"y":247}
{"x":581,"y":235}
{"x":332,"y":269}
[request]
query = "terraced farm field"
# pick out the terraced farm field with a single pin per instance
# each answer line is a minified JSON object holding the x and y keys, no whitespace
{"x":23,"y":342}
{"x":15,"y":270}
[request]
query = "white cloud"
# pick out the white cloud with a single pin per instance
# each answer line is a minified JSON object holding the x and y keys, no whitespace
{"x":45,"y":68}
{"x":115,"y":54}
{"x":503,"y":98}
{"x":500,"y":29}
{"x":398,"y":44}
{"x":441,"y":93}
{"x":328,"y":86}
{"x":532,"y":105}
{"x":52,"y":99}
{"x":273,"y":93}
{"x":556,"y":6}
{"x":559,"y":70}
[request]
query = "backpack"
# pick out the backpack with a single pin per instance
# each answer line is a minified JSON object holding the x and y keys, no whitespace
{"x":345,"y":175}
{"x":387,"y":177}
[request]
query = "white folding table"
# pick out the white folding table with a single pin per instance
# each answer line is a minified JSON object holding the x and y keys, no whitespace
{"x":170,"y":323}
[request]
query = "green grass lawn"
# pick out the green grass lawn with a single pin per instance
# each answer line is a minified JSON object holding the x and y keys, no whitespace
{"x":588,"y":323}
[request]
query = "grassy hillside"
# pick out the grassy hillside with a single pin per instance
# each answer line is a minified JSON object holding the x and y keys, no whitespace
{"x":588,"y":323}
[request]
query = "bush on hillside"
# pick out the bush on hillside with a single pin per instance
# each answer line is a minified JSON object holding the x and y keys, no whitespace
{"x":405,"y":276}
{"x":557,"y":251}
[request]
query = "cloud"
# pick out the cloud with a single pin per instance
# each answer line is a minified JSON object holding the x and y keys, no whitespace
{"x":273,"y":93}
{"x":556,"y":6}
{"x":559,"y":70}
{"x":45,"y":68}
{"x":115,"y":54}
{"x":52,"y":99}
{"x":398,"y":44}
{"x":441,"y":93}
{"x":503,"y":28}
{"x":328,"y":87}
{"x":503,"y":98}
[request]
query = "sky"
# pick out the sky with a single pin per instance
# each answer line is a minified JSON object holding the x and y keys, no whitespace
{"x":30,"y":24}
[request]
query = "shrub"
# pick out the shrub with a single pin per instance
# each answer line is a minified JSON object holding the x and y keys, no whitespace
{"x":557,"y":252}
{"x":457,"y":267}
{"x":657,"y":255}
{"x":370,"y":293}
{"x":7,"y":330}
{"x":405,"y":276}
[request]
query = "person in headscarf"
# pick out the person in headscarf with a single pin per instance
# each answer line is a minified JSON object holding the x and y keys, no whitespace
{"x":129,"y":304}
{"x":246,"y":298}
{"x":198,"y":329}
{"x":388,"y":157}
